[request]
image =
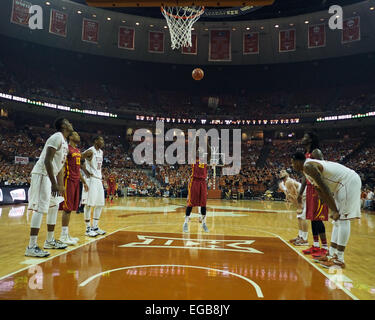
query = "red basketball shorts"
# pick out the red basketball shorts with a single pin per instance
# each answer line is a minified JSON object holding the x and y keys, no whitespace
{"x":71,"y":196}
{"x":111,"y":190}
{"x":197,"y":193}
{"x":315,"y":209}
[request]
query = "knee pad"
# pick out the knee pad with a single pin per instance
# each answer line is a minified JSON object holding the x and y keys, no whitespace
{"x":52,"y":215}
{"x":344,"y":232}
{"x":87,"y":212}
{"x":335,"y":232}
{"x":36,"y":220}
{"x":97,"y":212}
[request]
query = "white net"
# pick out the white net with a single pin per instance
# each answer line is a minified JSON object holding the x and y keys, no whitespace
{"x":180,"y":22}
{"x":217,"y":158}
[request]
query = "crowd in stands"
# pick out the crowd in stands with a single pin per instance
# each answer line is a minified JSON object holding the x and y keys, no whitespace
{"x":56,"y":85}
{"x":254,"y":180}
{"x":172,"y":180}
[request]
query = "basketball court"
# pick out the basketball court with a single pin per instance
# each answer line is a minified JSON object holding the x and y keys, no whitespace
{"x":145,"y":255}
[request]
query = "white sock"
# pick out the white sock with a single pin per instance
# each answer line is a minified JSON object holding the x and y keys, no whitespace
{"x":87,"y":224}
{"x":50,"y":235}
{"x":299,"y":233}
{"x":36,"y":220}
{"x":304,"y":235}
{"x":64,"y":231}
{"x":97,"y":213}
{"x":332,"y":251}
{"x":316,"y":244}
{"x":340,"y":255}
{"x":95,"y":223}
{"x":187,"y":218}
{"x":32,"y":242}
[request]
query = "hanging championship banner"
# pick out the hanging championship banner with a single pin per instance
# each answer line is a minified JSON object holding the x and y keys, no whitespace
{"x":20,"y":12}
{"x":287,"y":40}
{"x":126,"y":38}
{"x":351,"y":30}
{"x":90,"y":31}
{"x":251,"y":43}
{"x":58,"y":23}
{"x":220,"y":45}
{"x":194,"y":48}
{"x":156,"y":42}
{"x":317,"y":36}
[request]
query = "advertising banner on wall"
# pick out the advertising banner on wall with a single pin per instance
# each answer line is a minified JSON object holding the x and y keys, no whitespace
{"x":21,"y":160}
{"x":10,"y":195}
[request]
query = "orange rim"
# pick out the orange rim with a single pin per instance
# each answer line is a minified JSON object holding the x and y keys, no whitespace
{"x":178,"y":17}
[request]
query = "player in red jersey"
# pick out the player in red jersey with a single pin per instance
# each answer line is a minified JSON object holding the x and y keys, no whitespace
{"x":111,"y":182}
{"x":72,"y":177}
{"x":197,"y":193}
{"x":316,"y":211}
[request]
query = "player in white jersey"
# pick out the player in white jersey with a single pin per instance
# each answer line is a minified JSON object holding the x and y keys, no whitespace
{"x":340,"y":188}
{"x":291,"y":188}
{"x":94,"y":198}
{"x":47,"y":188}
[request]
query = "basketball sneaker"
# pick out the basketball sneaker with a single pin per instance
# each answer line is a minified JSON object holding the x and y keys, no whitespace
{"x":73,"y":238}
{"x":324,"y":258}
{"x":301,"y":242}
{"x":322,"y":253}
{"x":333,"y":263}
{"x":54,"y":244}
{"x":67,"y":239}
{"x":99,"y":231}
{"x":36,"y":252}
{"x":294,"y":240}
{"x":185,"y":227}
{"x":311,"y":250}
{"x":204,"y":226}
{"x":90,"y":233}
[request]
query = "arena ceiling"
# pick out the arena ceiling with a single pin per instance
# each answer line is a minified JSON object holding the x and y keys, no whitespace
{"x":280,"y":8}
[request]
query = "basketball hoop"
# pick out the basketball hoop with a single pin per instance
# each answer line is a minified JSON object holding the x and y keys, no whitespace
{"x":180,"y":21}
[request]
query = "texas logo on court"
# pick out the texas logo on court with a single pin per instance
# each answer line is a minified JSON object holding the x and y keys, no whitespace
{"x":187,"y":243}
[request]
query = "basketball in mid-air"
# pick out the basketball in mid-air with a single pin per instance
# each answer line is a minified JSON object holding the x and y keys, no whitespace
{"x":197,"y":74}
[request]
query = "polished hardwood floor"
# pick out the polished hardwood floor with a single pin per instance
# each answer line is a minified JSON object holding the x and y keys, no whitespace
{"x":145,"y":255}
